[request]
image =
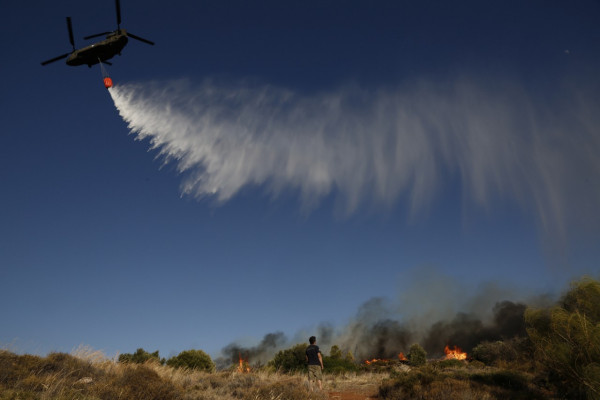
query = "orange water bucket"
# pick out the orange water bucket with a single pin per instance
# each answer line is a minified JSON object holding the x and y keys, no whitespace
{"x":108,"y":82}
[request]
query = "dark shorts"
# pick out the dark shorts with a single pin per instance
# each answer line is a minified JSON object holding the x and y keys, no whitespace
{"x":315,"y":373}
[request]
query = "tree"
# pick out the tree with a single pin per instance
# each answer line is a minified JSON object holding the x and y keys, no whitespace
{"x":290,"y":360}
{"x":140,"y":356}
{"x":349,"y":356}
{"x":335,"y":353}
{"x":192,"y":359}
{"x":417,"y":355}
{"x":336,"y":363}
{"x":566,"y":339}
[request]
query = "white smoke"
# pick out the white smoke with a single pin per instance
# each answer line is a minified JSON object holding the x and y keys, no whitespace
{"x":373,"y":147}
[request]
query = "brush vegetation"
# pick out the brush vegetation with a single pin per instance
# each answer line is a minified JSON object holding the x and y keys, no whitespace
{"x":559,"y":358}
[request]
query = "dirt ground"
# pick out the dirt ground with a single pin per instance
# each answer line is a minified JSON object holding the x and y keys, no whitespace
{"x":351,"y":395}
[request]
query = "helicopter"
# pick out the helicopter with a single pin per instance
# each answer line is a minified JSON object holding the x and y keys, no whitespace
{"x":98,"y":52}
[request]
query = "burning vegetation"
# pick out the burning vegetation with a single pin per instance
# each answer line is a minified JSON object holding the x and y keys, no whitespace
{"x":243,"y":366}
{"x":557,"y":356}
{"x":455,"y":353}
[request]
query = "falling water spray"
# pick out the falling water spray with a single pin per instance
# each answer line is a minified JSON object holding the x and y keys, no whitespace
{"x":373,"y":147}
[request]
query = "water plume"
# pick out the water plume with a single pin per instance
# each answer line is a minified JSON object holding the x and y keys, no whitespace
{"x":373,"y":147}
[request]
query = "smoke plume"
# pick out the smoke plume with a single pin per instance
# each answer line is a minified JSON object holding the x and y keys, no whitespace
{"x":382,"y":328}
{"x":373,"y":147}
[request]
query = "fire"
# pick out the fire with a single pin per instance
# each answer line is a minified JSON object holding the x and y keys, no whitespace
{"x":244,"y":366}
{"x":401,"y":357}
{"x":454,"y":354}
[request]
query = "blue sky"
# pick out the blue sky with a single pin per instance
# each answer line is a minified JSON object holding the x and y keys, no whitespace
{"x":353,"y":148}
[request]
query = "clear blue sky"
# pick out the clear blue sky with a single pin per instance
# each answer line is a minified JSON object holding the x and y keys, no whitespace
{"x":493,"y":107}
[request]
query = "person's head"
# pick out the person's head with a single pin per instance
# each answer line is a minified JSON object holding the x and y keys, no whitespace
{"x":312,"y":340}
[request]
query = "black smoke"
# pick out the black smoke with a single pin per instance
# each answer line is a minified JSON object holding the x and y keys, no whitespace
{"x":255,"y":355}
{"x":467,"y":330}
{"x":379,"y":330}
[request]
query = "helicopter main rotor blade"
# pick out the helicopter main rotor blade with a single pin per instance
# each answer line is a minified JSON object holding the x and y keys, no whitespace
{"x":70,"y":28}
{"x":131,"y":35}
{"x":96,"y":35}
{"x":118,"y":5}
{"x":55,"y":59}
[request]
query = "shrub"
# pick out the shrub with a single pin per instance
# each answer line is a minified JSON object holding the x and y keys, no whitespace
{"x":290,"y":360}
{"x":409,"y":384}
{"x":139,"y":382}
{"x":14,"y":367}
{"x":492,"y":353}
{"x":139,"y":357}
{"x":335,"y":353}
{"x":192,"y":359}
{"x":566,"y":339}
{"x":339,"y":365}
{"x":506,"y":379}
{"x":417,"y":355}
{"x":66,"y":363}
{"x":336,"y":363}
{"x":452,"y":363}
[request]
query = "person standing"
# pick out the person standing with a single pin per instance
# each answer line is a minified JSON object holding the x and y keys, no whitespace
{"x":315,"y":363}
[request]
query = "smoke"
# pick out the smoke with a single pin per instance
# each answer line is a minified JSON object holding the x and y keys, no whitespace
{"x":375,"y":147}
{"x":382,"y":328}
{"x":260,"y":353}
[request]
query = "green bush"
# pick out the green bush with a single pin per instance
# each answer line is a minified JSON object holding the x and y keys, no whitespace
{"x":336,"y":363}
{"x":140,"y":356}
{"x":566,"y":339}
{"x":335,"y":353}
{"x":192,"y":359}
{"x":417,"y":355}
{"x":290,"y":360}
{"x":339,"y":365}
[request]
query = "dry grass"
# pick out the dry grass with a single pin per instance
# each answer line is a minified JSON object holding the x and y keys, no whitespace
{"x":361,"y":382}
{"x":467,"y":381}
{"x":89,"y":375}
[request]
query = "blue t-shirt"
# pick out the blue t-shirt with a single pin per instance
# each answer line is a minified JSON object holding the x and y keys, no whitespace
{"x":312,"y":352}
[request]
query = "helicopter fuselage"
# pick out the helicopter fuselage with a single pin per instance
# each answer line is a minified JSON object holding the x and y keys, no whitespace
{"x":99,"y":51}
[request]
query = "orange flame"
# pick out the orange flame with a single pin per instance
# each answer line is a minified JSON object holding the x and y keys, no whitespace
{"x":402,"y":357}
{"x":243,"y":367}
{"x":454,"y":354}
